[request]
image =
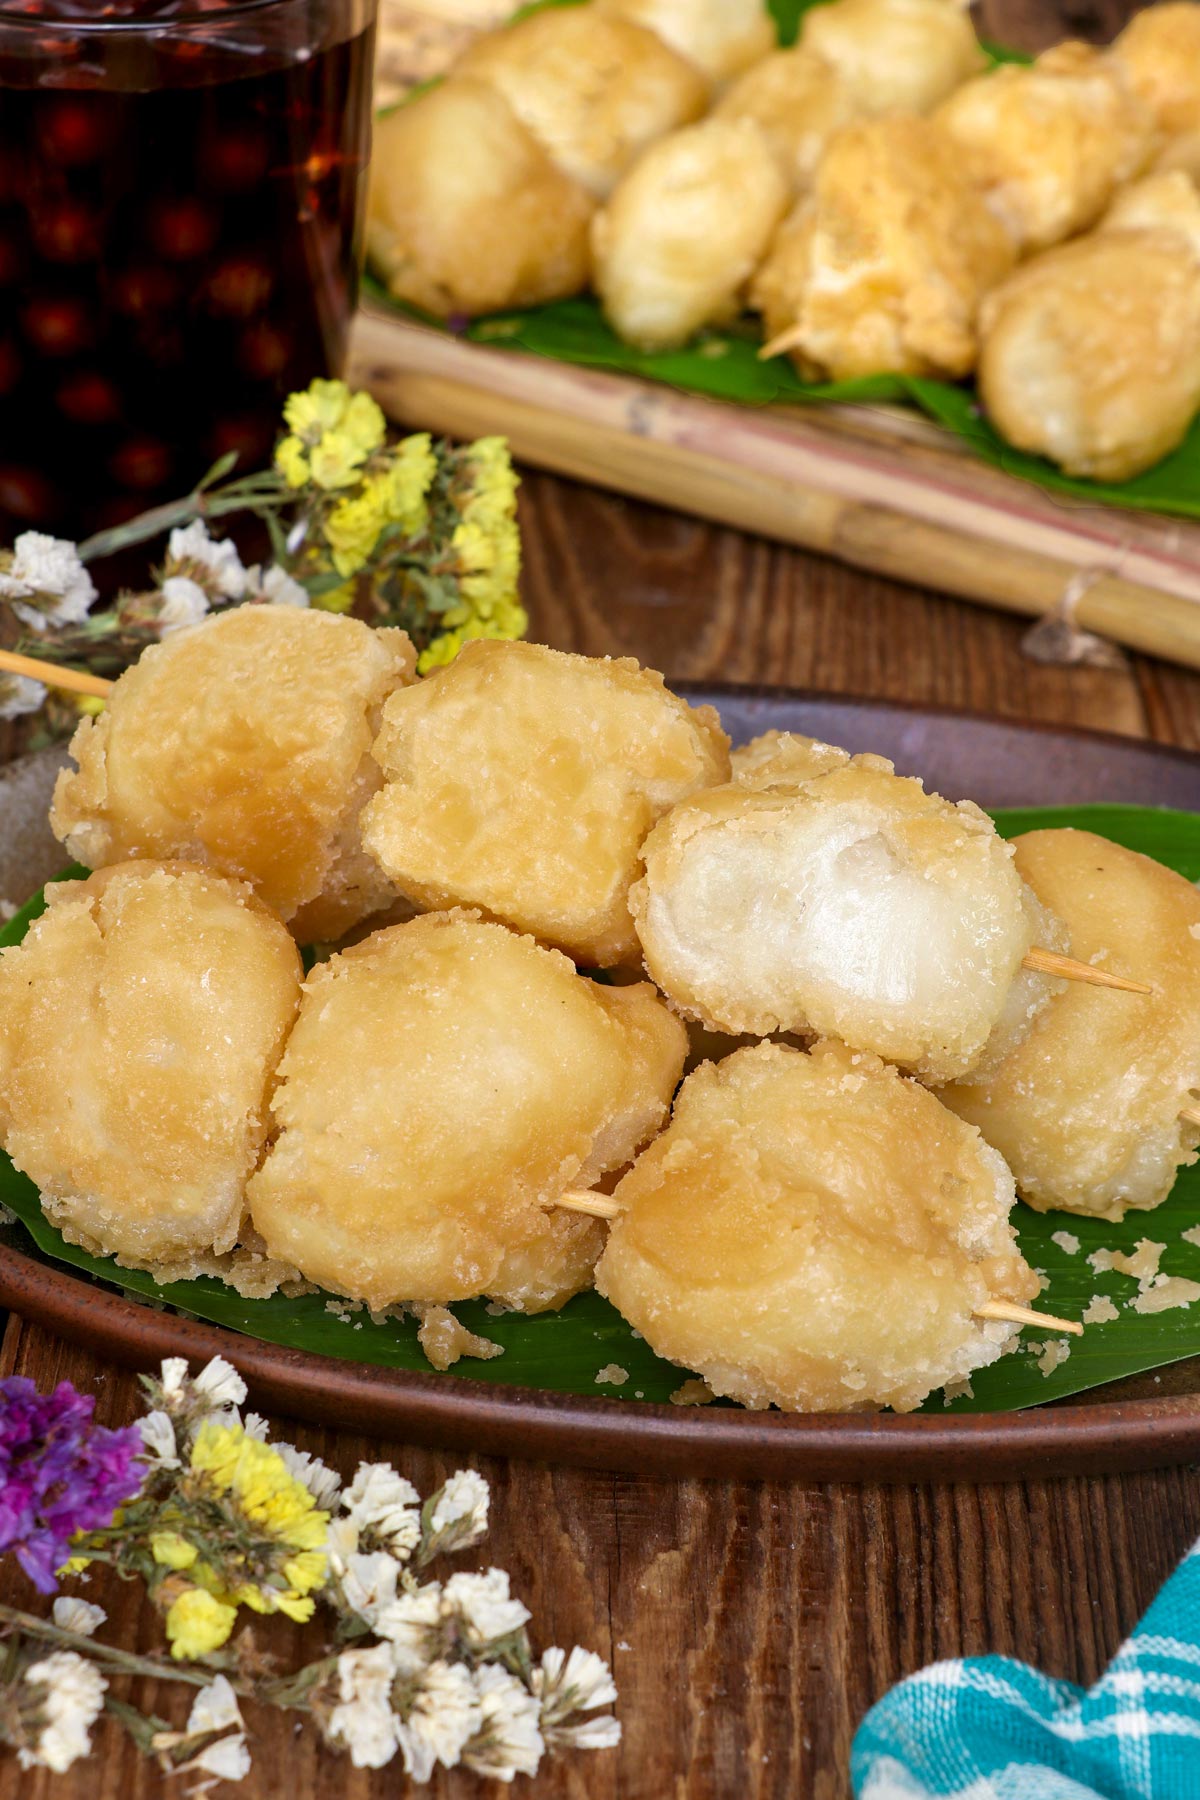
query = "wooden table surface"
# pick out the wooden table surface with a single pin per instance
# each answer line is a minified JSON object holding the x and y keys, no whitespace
{"x":749,"y":1625}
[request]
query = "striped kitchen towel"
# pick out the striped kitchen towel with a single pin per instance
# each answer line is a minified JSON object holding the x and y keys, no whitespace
{"x":989,"y":1728}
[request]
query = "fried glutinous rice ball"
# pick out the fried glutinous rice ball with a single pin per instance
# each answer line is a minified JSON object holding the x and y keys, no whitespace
{"x":1086,"y":1106}
{"x":1050,"y":144}
{"x":593,"y":88}
{"x":797,"y":101}
{"x":244,"y":743}
{"x":895,"y":55}
{"x":815,"y":1231}
{"x":1160,"y":52}
{"x":445,"y":1081}
{"x":685,"y":229}
{"x":467,"y":213}
{"x":881,"y":267}
{"x":1091,"y":351}
{"x":141,"y":1021}
{"x":522,"y":780}
{"x":722,"y":36}
{"x":849,"y":902}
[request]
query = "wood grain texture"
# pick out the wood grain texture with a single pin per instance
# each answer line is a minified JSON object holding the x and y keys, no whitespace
{"x":749,"y":1625}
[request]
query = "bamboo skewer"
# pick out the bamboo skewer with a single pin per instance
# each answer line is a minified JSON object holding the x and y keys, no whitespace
{"x":76,"y":681}
{"x":1190,"y":1115}
{"x":782,"y":343}
{"x":596,"y":1206}
{"x":1049,"y":962}
{"x":1024,"y":1315}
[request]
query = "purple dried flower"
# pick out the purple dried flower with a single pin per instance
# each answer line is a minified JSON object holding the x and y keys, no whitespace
{"x":59,"y":1473}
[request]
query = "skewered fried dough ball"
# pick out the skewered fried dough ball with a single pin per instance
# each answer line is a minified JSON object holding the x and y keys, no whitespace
{"x":523,"y":781}
{"x":684,"y":231}
{"x":722,"y":36}
{"x":851,"y":903}
{"x":141,"y":1021}
{"x":593,"y":89}
{"x":895,"y":55}
{"x":1050,"y":144}
{"x":798,"y":101}
{"x":1091,"y":351}
{"x":1160,"y":52}
{"x":815,"y":1232}
{"x":783,"y":756}
{"x":882,"y":267}
{"x":244,"y":744}
{"x":466,"y":211}
{"x":1085,"y":1108}
{"x":376,"y":1190}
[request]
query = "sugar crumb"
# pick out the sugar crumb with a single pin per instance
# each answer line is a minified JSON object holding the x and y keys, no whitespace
{"x":1053,"y":1352}
{"x":1191,"y":1235}
{"x":1067,"y":1242}
{"x":1100,"y":1311}
{"x":958,"y":1390}
{"x":1167,"y":1292}
{"x":693,"y":1393}
{"x":613,"y":1374}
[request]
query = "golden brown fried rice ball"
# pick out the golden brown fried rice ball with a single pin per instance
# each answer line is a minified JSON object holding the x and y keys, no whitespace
{"x":895,"y":56}
{"x":522,"y":780}
{"x":1049,"y":144}
{"x":684,"y":231}
{"x":1086,"y":1106}
{"x":797,"y":101}
{"x":593,"y":88}
{"x":1160,"y":52}
{"x":814,"y":1231}
{"x":445,"y":1081}
{"x":243,"y":743}
{"x":722,"y":36}
{"x":881,"y":268}
{"x":1091,"y":351}
{"x":852,"y":904}
{"x":466,"y":212}
{"x":141,"y":1021}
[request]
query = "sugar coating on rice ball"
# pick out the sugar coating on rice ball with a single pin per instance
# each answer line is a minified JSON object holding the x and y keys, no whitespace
{"x":141,"y":1021}
{"x":814,"y":1231}
{"x":522,"y":781}
{"x":447,"y":1079}
{"x":243,"y":744}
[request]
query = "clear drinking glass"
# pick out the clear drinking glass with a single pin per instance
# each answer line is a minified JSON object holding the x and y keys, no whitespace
{"x":180,"y":197}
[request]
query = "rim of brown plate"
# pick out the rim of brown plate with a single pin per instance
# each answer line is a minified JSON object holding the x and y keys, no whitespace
{"x":672,"y":1441}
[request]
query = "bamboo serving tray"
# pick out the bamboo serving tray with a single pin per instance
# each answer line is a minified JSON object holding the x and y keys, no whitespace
{"x":878,"y":487}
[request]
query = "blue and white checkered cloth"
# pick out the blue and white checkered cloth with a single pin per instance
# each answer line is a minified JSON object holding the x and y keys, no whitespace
{"x":989,"y":1728}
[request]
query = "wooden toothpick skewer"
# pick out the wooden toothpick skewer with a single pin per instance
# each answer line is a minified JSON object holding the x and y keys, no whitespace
{"x":1190,"y":1115}
{"x":1025,"y":1315}
{"x":1049,"y":962}
{"x":782,"y":342}
{"x":77,"y":681}
{"x":597,"y":1206}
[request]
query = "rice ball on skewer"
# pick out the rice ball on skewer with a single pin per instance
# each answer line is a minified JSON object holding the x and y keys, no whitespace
{"x":685,"y":229}
{"x":825,"y":892}
{"x":523,"y":780}
{"x":722,"y":36}
{"x":244,"y":744}
{"x":466,"y":212}
{"x":814,"y":1231}
{"x":592,"y":87}
{"x":1049,"y":144}
{"x":141,"y":1021}
{"x":446,"y":1082}
{"x":881,"y":267}
{"x":894,"y":56}
{"x":1086,"y":1105}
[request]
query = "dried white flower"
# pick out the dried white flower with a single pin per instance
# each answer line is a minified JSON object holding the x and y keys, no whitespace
{"x":255,"y":1426}
{"x":460,"y":1511}
{"x":590,"y":1734}
{"x":364,"y":1722}
{"x":341,"y":1542}
{"x":385,"y":1506}
{"x":71,"y":1697}
{"x":575,"y":1683}
{"x":484,"y":1606}
{"x":322,"y":1482}
{"x":158,"y":1435}
{"x":72,"y":1614}
{"x":225,"y":1760}
{"x":183,"y":602}
{"x":508,"y":1741}
{"x":279,"y":588}
{"x":215,"y":1708}
{"x":174,"y":1380}
{"x":48,"y":572}
{"x":412,"y":1625}
{"x":441,"y":1715}
{"x":369,"y":1584}
{"x":219,"y":1384}
{"x":226,"y":578}
{"x":20,"y":694}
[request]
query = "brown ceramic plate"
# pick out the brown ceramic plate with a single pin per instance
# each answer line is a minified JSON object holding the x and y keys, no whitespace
{"x":994,"y":762}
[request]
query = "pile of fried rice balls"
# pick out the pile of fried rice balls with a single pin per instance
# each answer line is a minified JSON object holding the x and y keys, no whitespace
{"x":769,"y":1009}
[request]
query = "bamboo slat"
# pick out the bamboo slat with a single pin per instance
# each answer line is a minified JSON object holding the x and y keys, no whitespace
{"x":889,"y":494}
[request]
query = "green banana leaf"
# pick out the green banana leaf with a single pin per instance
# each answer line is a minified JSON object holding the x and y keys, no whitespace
{"x":566,"y":1351}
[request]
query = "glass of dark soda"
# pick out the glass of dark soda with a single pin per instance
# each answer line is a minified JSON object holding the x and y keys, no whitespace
{"x":180,"y":195}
